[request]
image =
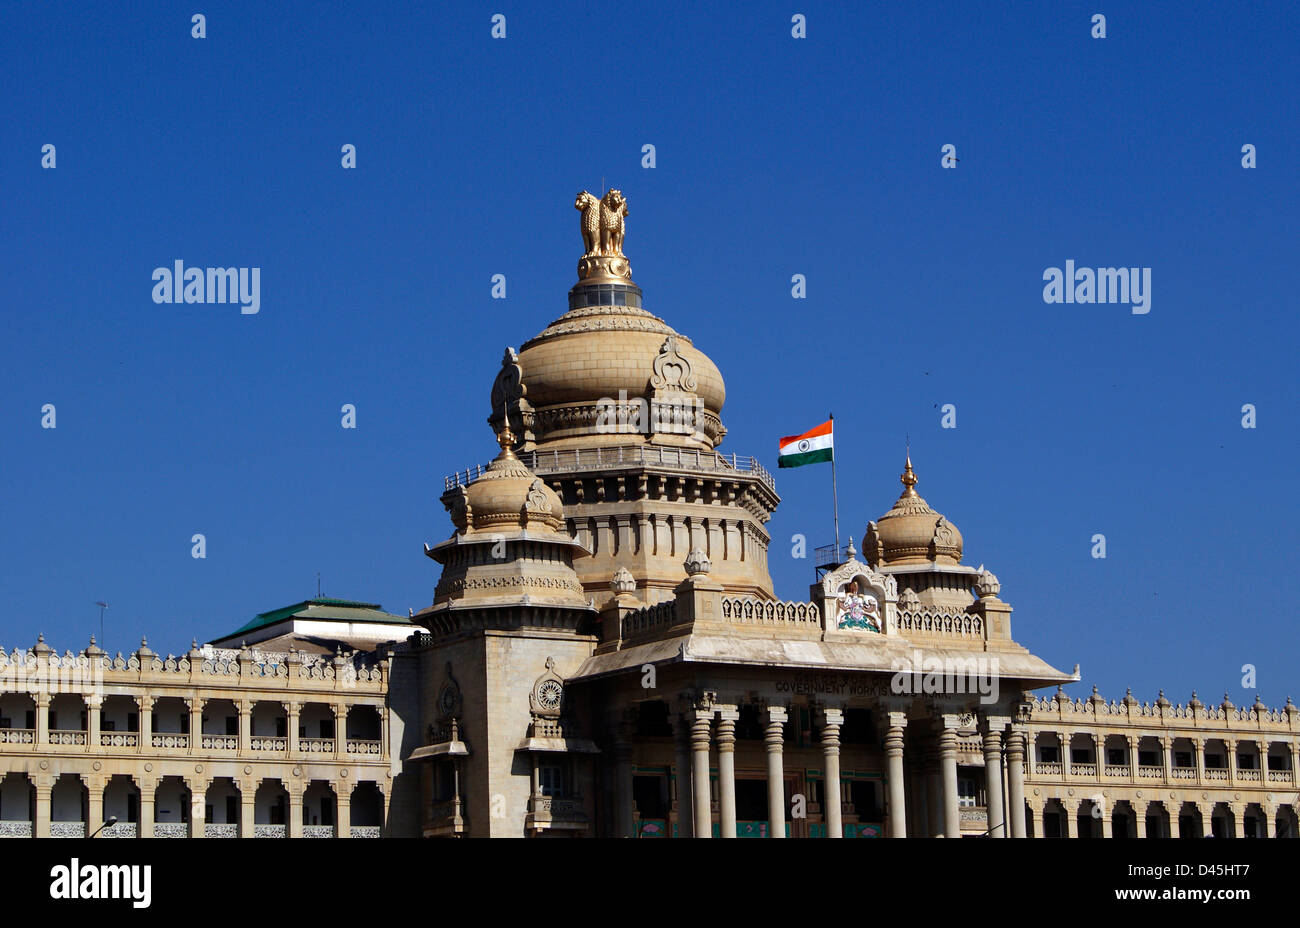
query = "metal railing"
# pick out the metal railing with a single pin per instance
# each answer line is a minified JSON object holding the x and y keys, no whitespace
{"x":542,"y":462}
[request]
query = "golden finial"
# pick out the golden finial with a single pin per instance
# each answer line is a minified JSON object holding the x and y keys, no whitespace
{"x":908,"y":477}
{"x":506,"y":438}
{"x":602,"y":229}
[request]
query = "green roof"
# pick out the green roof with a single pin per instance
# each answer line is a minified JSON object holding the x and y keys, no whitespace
{"x":323,"y":607}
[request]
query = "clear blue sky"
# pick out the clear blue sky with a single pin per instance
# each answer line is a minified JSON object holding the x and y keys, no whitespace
{"x":775,"y":156}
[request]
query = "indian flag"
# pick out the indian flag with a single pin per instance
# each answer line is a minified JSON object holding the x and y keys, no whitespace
{"x":812,"y":447}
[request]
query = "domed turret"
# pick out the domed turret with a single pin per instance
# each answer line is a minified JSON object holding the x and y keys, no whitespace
{"x":508,"y":497}
{"x":911,"y":532}
{"x":608,"y":372}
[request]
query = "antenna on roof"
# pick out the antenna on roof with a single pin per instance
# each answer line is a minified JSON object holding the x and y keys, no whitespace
{"x":102,"y":606}
{"x":318,"y":584}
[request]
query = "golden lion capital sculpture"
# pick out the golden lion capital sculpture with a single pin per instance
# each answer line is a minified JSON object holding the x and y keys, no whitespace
{"x":602,"y":223}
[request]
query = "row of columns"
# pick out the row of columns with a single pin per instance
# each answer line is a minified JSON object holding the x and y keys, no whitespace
{"x":1066,"y":737}
{"x":195,"y":705}
{"x":198,"y":806}
{"x":1171,"y":808}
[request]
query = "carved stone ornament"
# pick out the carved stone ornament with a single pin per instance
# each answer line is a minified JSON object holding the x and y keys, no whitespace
{"x":987,"y":584}
{"x":671,"y":370}
{"x":943,"y":534}
{"x":509,"y":385}
{"x":450,"y":699}
{"x":872,"y":548}
{"x":547,"y":698}
{"x":460,"y":509}
{"x":537,"y":500}
{"x":623,"y":581}
{"x":697,"y":564}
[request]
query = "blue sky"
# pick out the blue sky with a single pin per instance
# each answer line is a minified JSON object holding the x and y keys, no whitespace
{"x":775,"y":156}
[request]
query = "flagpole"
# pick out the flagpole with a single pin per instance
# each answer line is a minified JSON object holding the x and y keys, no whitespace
{"x":835,"y":491}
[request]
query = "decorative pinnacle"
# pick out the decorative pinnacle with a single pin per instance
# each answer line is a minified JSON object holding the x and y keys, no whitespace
{"x":506,"y":439}
{"x":908,"y":478}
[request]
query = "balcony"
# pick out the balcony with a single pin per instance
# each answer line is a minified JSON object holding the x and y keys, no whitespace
{"x":119,"y":739}
{"x":1182,"y":773}
{"x":170,"y":740}
{"x":262,"y":743}
{"x":1151,"y":773}
{"x":366,"y":831}
{"x":17,"y":736}
{"x":171,"y":829}
{"x":365,"y":747}
{"x":1083,"y":770}
{"x":553,"y":812}
{"x":269,"y":831}
{"x":67,"y":829}
{"x":220,"y":742}
{"x":1117,"y":770}
{"x":1281,"y":776}
{"x":220,"y":830}
{"x":15,"y":829}
{"x":1049,"y":769}
{"x":630,"y":456}
{"x":316,"y":745}
{"x":1216,"y":773}
{"x":67,"y":737}
{"x":318,"y":831}
{"x":120,"y":830}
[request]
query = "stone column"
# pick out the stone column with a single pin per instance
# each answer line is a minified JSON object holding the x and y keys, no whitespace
{"x":1230,"y":744}
{"x":1166,"y":745}
{"x":997,"y":820}
{"x":948,"y":770}
{"x":1261,"y":748}
{"x":1294,"y":749}
{"x":832,"y":807}
{"x":245,"y":726}
{"x":1107,"y":824}
{"x":727,"y":716}
{"x":1133,"y":743}
{"x":94,"y":721}
{"x":148,"y":787}
{"x":94,"y":804}
{"x":1065,"y":738}
{"x":146,"y":740}
{"x":42,"y":723}
{"x":1099,"y":753}
{"x":774,"y":738}
{"x":196,"y":704}
{"x":198,"y":807}
{"x":1016,"y":782}
{"x":295,"y":809}
{"x":247,"y":806}
{"x":1071,"y":817}
{"x":682,"y":779}
{"x":1175,"y":827}
{"x":1139,"y":817}
{"x":1270,"y":821}
{"x":623,"y":818}
{"x":1036,"y":810}
{"x":894,"y":771}
{"x":41,"y":827}
{"x":341,"y":730}
{"x":702,"y":812}
{"x":1199,"y":744}
{"x":342,"y":808}
{"x":292,"y":711}
{"x":1238,"y":819}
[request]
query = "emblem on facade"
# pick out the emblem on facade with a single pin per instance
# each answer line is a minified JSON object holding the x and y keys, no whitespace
{"x":449,"y":697}
{"x":671,"y":370}
{"x":547,"y":698}
{"x":602,"y":228}
{"x":857,"y":610}
{"x":537,"y":501}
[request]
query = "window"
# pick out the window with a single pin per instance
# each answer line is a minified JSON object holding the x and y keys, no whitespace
{"x":1115,"y":757}
{"x":108,"y":725}
{"x":650,"y":793}
{"x":232,"y":725}
{"x":1276,"y":763}
{"x":551,"y":777}
{"x":1215,"y":762}
{"x":327,"y":731}
{"x":1245,"y":762}
{"x":1080,"y":756}
{"x":1148,"y":758}
{"x":966,"y":791}
{"x":858,"y":727}
{"x":1048,"y":754}
{"x":1182,"y":758}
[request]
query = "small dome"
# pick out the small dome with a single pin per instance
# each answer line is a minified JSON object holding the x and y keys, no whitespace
{"x":508,"y":497}
{"x":913,"y":533}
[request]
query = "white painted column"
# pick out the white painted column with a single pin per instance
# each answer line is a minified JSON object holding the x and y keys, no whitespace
{"x":701,"y":728}
{"x":948,"y":772}
{"x":775,"y":741}
{"x":727,"y":716}
{"x":993,"y":727}
{"x":1015,"y":811}
{"x":894,"y":770}
{"x":832,"y":807}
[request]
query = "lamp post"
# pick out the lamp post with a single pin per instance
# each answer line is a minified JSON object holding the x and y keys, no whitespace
{"x":108,"y":823}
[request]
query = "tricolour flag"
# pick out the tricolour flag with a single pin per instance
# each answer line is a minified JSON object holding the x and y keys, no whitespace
{"x":812,"y":447}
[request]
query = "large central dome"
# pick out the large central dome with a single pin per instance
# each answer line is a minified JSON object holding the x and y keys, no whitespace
{"x":608,"y":372}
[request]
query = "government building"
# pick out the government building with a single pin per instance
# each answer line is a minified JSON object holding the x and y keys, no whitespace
{"x":604,"y":655}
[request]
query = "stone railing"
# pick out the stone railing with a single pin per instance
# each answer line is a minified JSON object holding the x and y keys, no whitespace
{"x":220,"y":830}
{"x":262,"y":743}
{"x":171,"y":740}
{"x":1281,"y":776}
{"x":557,"y":807}
{"x":119,"y":739}
{"x":220,"y":742}
{"x":15,"y":829}
{"x":1258,"y":718}
{"x":1117,"y":770}
{"x":1182,"y":773}
{"x":650,"y":619}
{"x":1151,"y":773}
{"x":318,"y":831}
{"x":976,"y":815}
{"x":120,"y":830}
{"x":1248,"y":776}
{"x":316,"y":745}
{"x":759,"y":612}
{"x":17,"y":736}
{"x":547,"y":462}
{"x":1216,"y":773}
{"x":171,"y":829}
{"x":1083,"y":770}
{"x":366,"y":831}
{"x":940,"y":622}
{"x":64,"y":736}
{"x":1049,"y":769}
{"x":269,"y":831}
{"x":67,"y":829}
{"x":362,"y":746}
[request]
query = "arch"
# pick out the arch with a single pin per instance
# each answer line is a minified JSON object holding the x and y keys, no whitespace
{"x":171,"y":808}
{"x":367,"y":810}
{"x":271,"y":810}
{"x":1123,"y":820}
{"x":69,"y":806}
{"x":122,"y":802}
{"x":221,"y":808}
{"x":17,"y":805}
{"x":364,"y":724}
{"x":1157,"y":819}
{"x":319,"y":810}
